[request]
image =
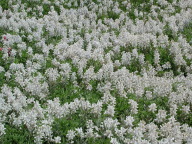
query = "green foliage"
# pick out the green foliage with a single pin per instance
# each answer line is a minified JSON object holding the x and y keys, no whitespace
{"x":23,"y":58}
{"x":2,"y":79}
{"x":187,"y":32}
{"x":169,"y":32}
{"x":67,"y":92}
{"x":15,"y":135}
{"x":122,"y":107}
{"x":98,"y":141}
{"x":61,"y":126}
{"x":4,"y":4}
{"x":184,"y":118}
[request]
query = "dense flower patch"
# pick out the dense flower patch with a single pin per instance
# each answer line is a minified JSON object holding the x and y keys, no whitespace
{"x":96,"y":71}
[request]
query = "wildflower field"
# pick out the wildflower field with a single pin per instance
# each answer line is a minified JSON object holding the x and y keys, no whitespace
{"x":96,"y":71}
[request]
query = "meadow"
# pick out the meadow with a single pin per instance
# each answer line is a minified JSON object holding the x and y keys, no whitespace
{"x":96,"y":71}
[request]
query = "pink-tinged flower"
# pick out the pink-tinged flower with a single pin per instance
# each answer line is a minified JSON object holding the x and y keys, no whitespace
{"x":5,"y":38}
{"x":9,"y":51}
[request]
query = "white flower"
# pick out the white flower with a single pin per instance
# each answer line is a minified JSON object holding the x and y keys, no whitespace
{"x":110,"y":110}
{"x":120,"y":132}
{"x":135,"y":53}
{"x":167,"y":65}
{"x":126,"y":58}
{"x":186,"y":109}
{"x":52,"y":74}
{"x":108,"y":133}
{"x":2,"y":129}
{"x":109,"y":123}
{"x":8,"y":75}
{"x":134,"y":106}
{"x":70,"y":135}
{"x":90,"y":132}
{"x":161,"y":115}
{"x":57,"y":139}
{"x":173,"y":109}
{"x":114,"y":141}
{"x":149,"y":94}
{"x":153,"y":107}
{"x":162,"y":2}
{"x":152,"y":132}
{"x":141,"y":59}
{"x":156,"y":57}
{"x":1,"y":69}
{"x":129,"y":121}
{"x":80,"y":132}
